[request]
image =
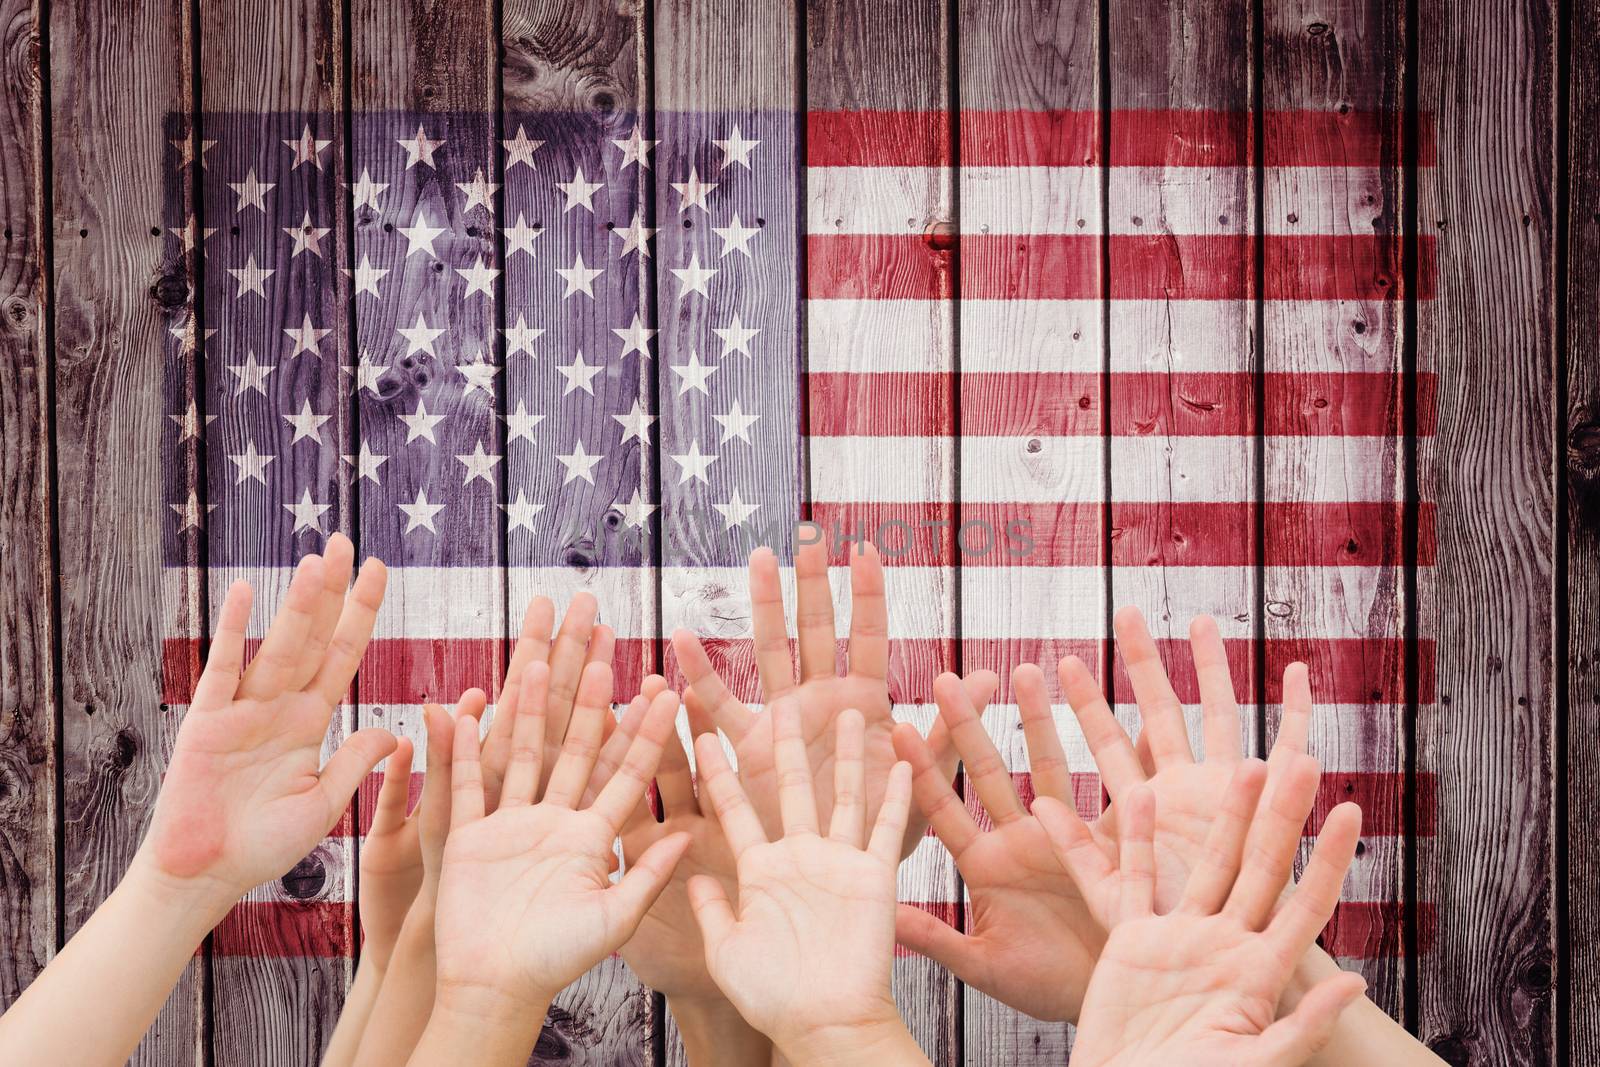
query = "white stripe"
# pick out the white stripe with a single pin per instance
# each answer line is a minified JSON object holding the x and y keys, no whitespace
{"x":880,"y":336}
{"x":1030,"y":200}
{"x":886,"y":200}
{"x":900,"y":336}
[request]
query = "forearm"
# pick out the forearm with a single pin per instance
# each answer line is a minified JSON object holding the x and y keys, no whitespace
{"x":96,"y":999}
{"x":358,"y":1004}
{"x":1365,"y":1033}
{"x":715,"y":1033}
{"x":400,"y":1013}
{"x":881,"y":1044}
{"x":464,"y":1033}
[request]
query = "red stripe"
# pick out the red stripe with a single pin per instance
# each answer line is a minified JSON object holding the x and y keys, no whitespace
{"x":1143,"y":267}
{"x":1139,"y":138}
{"x":1058,"y":404}
{"x":282,"y":928}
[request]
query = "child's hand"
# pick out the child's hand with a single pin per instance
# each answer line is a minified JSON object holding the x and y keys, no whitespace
{"x":1200,"y":985}
{"x":526,"y":905}
{"x":245,"y":795}
{"x":808,"y":956}
{"x":391,"y":861}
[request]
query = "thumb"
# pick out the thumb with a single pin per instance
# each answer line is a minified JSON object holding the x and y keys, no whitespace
{"x":712,"y":911}
{"x":927,"y":934}
{"x":1303,"y":1032}
{"x":630,"y":898}
{"x":348,"y":767}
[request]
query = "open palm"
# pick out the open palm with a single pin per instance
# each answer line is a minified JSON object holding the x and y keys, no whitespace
{"x":246,"y":796}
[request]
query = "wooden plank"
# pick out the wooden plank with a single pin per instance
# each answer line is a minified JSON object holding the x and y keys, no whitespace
{"x":574,"y":79}
{"x":1022,"y":61}
{"x":871,"y":178}
{"x":280,"y":968}
{"x":121,"y":85}
{"x":1344,"y":61}
{"x":27,"y":582}
{"x":1487,"y":987}
{"x":1582,"y":886}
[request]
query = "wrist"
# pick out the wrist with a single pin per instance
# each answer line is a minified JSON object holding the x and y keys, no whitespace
{"x":879,"y":1040}
{"x":713,"y":1031}
{"x":466,"y":1029}
{"x":201,"y":898}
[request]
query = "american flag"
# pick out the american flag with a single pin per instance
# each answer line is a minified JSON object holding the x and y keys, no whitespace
{"x":576,"y":362}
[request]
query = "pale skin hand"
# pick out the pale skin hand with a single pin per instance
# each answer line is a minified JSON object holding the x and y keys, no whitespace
{"x":819,"y":691}
{"x":808,"y":957}
{"x":1201,"y":984}
{"x":243,"y":800}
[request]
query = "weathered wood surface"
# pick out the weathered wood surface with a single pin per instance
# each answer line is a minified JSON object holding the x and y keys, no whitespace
{"x":121,"y":90}
{"x":1340,"y":67}
{"x":1582,"y":592}
{"x":1487,"y":988}
{"x":887,"y":214}
{"x":28,"y":743}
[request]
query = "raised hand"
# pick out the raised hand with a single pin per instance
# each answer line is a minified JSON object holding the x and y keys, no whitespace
{"x":1030,"y":940}
{"x":819,"y":693}
{"x":245,"y":796}
{"x":391,"y":861}
{"x":807,"y":957}
{"x":1201,"y":983}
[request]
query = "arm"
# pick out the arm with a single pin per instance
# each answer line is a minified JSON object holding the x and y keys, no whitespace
{"x":358,"y":1002}
{"x":467,"y":1031}
{"x":1365,"y":1033}
{"x":242,"y":801}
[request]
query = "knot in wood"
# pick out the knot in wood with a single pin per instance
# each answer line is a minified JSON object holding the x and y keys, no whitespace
{"x":940,"y":236}
{"x":306,"y":878}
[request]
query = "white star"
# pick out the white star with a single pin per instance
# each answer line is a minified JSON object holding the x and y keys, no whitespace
{"x":189,"y":428}
{"x":480,"y":278}
{"x":519,"y":238}
{"x":421,"y":424}
{"x":520,"y":424}
{"x":635,"y":337}
{"x":735,"y":336}
{"x":521,"y":512}
{"x":694,"y":277}
{"x":479,"y":192}
{"x":367,"y":372}
{"x":419,"y":149}
{"x":306,"y":423}
{"x":735,"y":511}
{"x":694,"y":464}
{"x":520,"y":338}
{"x":307,"y":149}
{"x":635,"y":149}
{"x":307,"y":513}
{"x":637,"y":511}
{"x":368,"y":463}
{"x":185,"y":333}
{"x":306,"y":337}
{"x":420,"y":237}
{"x":579,"y":375}
{"x":520,"y":149}
{"x":419,"y":338}
{"x":479,"y":465}
{"x":251,"y":375}
{"x":189,"y":517}
{"x":635,"y":236}
{"x":479,"y":374}
{"x":251,"y":464}
{"x":735,"y":149}
{"x":366,"y":191}
{"x":579,"y":278}
{"x":420,"y":513}
{"x":693,"y":192}
{"x":250,"y":278}
{"x":694,"y":374}
{"x":188,"y":231}
{"x":736,"y":237}
{"x":307,"y":238}
{"x":580,"y":192}
{"x":251,"y":192}
{"x":735,"y":423}
{"x":579,"y":464}
{"x":186,"y":152}
{"x":636,"y":423}
{"x":367,"y":276}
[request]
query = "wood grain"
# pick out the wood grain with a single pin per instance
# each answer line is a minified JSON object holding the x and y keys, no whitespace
{"x":27,"y":582}
{"x":874,"y":56}
{"x":1342,"y":60}
{"x":1582,"y":887}
{"x":121,"y":86}
{"x":1486,"y":989}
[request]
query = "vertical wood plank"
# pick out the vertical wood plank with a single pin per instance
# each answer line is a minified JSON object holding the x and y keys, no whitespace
{"x":27,"y":582}
{"x":1486,"y":988}
{"x":120,"y":95}
{"x":574,"y":78}
{"x":281,"y":961}
{"x":1334,"y":427}
{"x":1583,"y":537}
{"x":879,"y":217}
{"x":1030,"y":386}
